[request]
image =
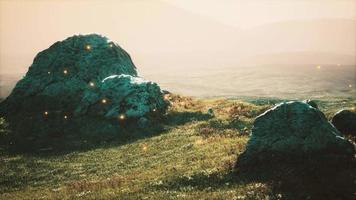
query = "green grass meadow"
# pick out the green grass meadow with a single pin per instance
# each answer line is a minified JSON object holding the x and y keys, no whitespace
{"x":191,"y":156}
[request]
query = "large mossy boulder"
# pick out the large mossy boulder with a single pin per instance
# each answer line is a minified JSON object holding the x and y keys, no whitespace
{"x":345,"y":122}
{"x":295,"y":133}
{"x":80,"y":82}
{"x":59,"y":74}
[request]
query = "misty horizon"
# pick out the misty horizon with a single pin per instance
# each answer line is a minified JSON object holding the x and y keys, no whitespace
{"x":183,"y":38}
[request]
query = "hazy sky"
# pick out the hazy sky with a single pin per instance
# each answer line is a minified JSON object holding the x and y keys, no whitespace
{"x":246,"y":14}
{"x":181,"y":33}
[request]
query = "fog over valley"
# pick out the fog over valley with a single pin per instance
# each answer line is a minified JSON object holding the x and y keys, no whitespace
{"x":235,"y":49}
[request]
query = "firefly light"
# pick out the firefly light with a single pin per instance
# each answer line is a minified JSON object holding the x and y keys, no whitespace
{"x":45,"y":113}
{"x":65,"y":71}
{"x":144,"y":147}
{"x":154,"y":110}
{"x":122,"y":117}
{"x":49,"y":72}
{"x":88,"y":47}
{"x":111,"y":45}
{"x":91,"y":84}
{"x":103,"y":101}
{"x":199,"y":142}
{"x":65,"y":117}
{"x":166,"y":97}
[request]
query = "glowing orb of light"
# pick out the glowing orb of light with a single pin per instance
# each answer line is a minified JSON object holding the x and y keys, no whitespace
{"x":65,"y":71}
{"x":91,"y":84}
{"x":318,"y":67}
{"x":88,"y":47}
{"x":166,"y":97}
{"x":154,"y":110}
{"x":45,"y":113}
{"x":122,"y":117}
{"x":65,"y":117}
{"x":49,"y":72}
{"x":111,"y":45}
{"x":199,"y":142}
{"x":350,"y":86}
{"x":103,"y":101}
{"x":144,"y":147}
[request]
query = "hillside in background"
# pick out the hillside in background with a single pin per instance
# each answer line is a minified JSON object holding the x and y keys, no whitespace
{"x":284,"y":81}
{"x":300,"y":58}
{"x":196,"y":55}
{"x":165,"y":36}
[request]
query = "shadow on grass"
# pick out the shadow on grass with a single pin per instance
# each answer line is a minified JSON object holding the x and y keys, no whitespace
{"x":180,"y":118}
{"x":20,"y":172}
{"x":57,"y":143}
{"x":27,"y":169}
{"x":283,"y":182}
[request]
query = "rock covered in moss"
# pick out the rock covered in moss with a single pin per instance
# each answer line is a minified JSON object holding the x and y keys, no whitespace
{"x":67,"y":82}
{"x":292,"y":132}
{"x":122,"y":96}
{"x":59,"y":75}
{"x":345,"y":122}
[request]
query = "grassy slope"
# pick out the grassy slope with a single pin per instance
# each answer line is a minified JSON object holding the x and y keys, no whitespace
{"x":192,"y":158}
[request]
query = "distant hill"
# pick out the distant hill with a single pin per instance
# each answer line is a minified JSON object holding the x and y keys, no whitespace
{"x":166,"y":36}
{"x":8,"y":82}
{"x":205,"y":43}
{"x":337,"y":36}
{"x":300,"y":58}
{"x":186,"y":39}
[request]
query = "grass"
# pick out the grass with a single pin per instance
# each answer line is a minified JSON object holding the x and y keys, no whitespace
{"x":190,"y":158}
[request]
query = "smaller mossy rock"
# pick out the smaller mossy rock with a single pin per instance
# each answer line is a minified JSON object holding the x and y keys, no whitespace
{"x":211,"y":111}
{"x":293,"y":132}
{"x":345,"y":122}
{"x":121,"y":97}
